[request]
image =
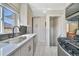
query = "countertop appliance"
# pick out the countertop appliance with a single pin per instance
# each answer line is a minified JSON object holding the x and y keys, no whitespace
{"x":23,"y":30}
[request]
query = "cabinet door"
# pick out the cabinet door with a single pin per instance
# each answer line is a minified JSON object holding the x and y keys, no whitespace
{"x":24,"y":50}
{"x":16,"y":53}
{"x":27,"y":48}
{"x":30,"y":48}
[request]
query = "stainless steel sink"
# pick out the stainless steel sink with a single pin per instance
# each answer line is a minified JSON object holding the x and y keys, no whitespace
{"x":16,"y":40}
{"x":10,"y":44}
{"x":22,"y":38}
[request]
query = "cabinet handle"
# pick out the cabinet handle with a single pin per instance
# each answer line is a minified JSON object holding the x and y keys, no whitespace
{"x":29,"y":48}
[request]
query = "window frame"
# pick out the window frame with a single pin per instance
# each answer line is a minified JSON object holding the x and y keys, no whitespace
{"x":7,"y":6}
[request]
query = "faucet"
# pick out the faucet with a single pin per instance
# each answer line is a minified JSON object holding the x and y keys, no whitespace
{"x":14,"y":29}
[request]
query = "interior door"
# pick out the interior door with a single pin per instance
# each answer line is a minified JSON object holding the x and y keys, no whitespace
{"x":39,"y":28}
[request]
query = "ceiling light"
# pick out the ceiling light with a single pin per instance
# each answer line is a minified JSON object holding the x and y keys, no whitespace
{"x":49,"y":8}
{"x":44,"y":11}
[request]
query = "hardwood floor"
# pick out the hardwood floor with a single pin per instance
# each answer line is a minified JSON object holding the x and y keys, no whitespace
{"x":44,"y":50}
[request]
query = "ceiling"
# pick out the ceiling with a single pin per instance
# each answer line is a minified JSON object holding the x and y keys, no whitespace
{"x":41,"y":8}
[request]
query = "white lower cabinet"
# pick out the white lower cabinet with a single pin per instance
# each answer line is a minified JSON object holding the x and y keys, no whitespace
{"x":16,"y":53}
{"x":25,"y":50}
{"x":30,"y":48}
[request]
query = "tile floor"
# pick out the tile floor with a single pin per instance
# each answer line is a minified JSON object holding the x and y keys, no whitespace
{"x":44,"y":50}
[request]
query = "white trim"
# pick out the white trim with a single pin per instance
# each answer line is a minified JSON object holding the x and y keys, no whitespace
{"x":1,"y":22}
{"x":5,"y":5}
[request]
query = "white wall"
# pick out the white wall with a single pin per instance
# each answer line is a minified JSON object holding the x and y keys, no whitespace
{"x":62,"y":23}
{"x":23,"y":14}
{"x":29,"y":19}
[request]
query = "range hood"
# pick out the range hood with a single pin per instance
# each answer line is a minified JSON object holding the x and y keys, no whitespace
{"x":74,"y":17}
{"x":72,"y":14}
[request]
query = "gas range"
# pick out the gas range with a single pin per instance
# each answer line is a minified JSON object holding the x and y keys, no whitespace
{"x":71,"y":46}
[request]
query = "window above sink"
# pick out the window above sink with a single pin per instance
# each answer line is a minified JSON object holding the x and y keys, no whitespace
{"x":8,"y":18}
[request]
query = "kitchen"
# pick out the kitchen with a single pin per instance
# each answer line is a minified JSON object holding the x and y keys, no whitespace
{"x":39,"y":29}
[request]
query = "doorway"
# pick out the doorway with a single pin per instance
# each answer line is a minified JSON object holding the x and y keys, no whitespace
{"x":53,"y":30}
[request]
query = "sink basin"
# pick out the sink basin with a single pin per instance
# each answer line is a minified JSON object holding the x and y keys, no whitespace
{"x":16,"y":40}
{"x":8,"y":45}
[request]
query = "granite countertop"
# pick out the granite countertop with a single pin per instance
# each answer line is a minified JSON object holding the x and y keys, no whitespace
{"x":8,"y":48}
